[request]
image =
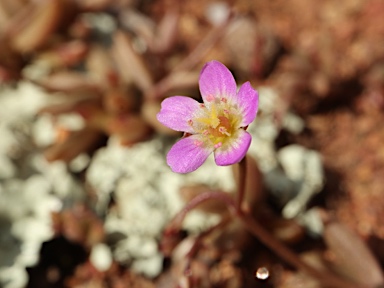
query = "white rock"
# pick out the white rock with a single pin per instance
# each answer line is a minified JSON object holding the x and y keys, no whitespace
{"x":43,"y":132}
{"x":7,"y":168}
{"x":13,"y":277}
{"x":101,"y":257}
{"x":147,"y":195}
{"x":151,"y":267}
{"x":71,"y":121}
{"x":79,"y":163}
{"x":217,"y":12}
{"x":33,"y":189}
{"x":304,"y":166}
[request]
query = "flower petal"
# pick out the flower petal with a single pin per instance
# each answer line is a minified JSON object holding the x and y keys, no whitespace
{"x":188,"y":154}
{"x":248,"y":101}
{"x":176,"y":111}
{"x":234,"y":151}
{"x":216,"y":81}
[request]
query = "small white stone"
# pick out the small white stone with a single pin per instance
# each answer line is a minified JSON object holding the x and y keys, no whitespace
{"x":44,"y":133}
{"x":7,"y":168}
{"x":312,"y":220}
{"x":36,"y":187}
{"x":71,"y":121}
{"x":293,"y":123}
{"x":80,"y":162}
{"x":101,"y":257}
{"x":13,"y":277}
{"x":25,"y":101}
{"x":304,"y":167}
{"x":293,"y":158}
{"x":150,"y":267}
{"x":101,"y":21}
{"x":142,"y":247}
{"x":217,"y":13}
{"x":32,"y":232}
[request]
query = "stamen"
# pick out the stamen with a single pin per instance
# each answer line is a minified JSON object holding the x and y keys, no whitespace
{"x":197,"y":143}
{"x":222,"y":130}
{"x":215,"y":122}
{"x":190,"y":122}
{"x":206,"y":121}
{"x":218,"y":145}
{"x":210,"y":98}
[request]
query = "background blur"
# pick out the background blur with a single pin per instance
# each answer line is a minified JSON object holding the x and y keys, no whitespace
{"x":84,"y":188}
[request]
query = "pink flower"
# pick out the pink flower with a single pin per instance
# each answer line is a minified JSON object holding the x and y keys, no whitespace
{"x":216,"y":126}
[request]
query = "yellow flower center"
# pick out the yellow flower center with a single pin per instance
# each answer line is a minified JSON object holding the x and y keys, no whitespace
{"x":218,"y":120}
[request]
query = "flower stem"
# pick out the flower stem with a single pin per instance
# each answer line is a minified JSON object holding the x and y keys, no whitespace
{"x":242,"y":176}
{"x":326,"y":278}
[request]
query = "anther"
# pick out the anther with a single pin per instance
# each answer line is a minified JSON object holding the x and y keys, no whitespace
{"x":210,"y":98}
{"x":218,"y":145}
{"x":222,"y":130}
{"x":190,"y":122}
